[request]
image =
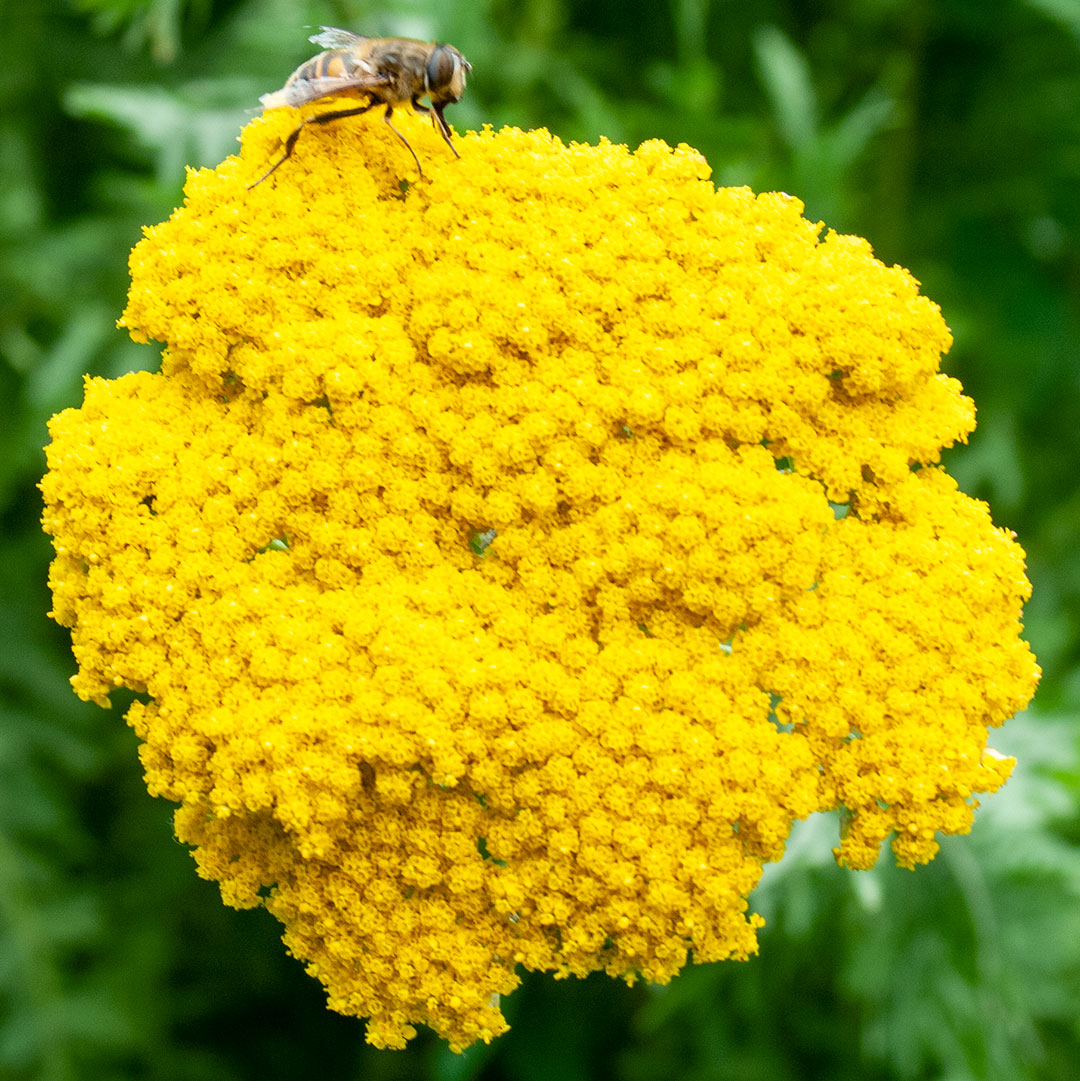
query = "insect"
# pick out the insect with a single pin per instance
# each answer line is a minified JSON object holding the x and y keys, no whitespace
{"x":390,"y":71}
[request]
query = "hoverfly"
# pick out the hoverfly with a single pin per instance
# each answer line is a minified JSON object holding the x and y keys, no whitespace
{"x":390,"y":71}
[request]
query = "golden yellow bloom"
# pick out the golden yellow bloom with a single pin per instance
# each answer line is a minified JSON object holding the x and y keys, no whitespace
{"x":505,"y":560}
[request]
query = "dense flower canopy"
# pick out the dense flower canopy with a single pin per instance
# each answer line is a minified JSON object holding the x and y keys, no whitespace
{"x":506,"y":557}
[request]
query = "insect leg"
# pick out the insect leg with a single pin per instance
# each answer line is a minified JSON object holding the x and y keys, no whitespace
{"x":322,"y":118}
{"x":443,"y":127}
{"x":386,"y":118}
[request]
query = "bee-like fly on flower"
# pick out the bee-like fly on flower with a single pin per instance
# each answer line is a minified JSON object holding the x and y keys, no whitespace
{"x":388,"y":71}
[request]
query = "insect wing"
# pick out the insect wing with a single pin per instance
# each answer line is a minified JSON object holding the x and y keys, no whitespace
{"x":302,"y":91}
{"x":330,"y":37}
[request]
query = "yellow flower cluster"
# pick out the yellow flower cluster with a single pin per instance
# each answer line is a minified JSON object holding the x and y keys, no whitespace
{"x":505,"y":559}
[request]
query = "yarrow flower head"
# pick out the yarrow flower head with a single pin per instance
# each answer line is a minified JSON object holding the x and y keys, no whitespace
{"x":504,"y":561}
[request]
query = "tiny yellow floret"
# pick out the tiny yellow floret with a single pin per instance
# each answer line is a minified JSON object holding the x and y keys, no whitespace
{"x":505,"y":558}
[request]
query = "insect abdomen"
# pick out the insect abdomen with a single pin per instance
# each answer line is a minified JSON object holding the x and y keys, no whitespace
{"x":334,"y":64}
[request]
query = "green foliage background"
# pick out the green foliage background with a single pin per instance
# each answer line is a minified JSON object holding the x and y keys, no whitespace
{"x":948,"y":133}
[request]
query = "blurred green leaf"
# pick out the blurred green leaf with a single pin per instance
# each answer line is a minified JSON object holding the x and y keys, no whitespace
{"x":165,"y":122}
{"x":152,"y":24}
{"x":785,"y":74}
{"x":1067,"y":12}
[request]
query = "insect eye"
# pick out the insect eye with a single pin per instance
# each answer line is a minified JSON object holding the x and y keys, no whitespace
{"x":441,"y":68}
